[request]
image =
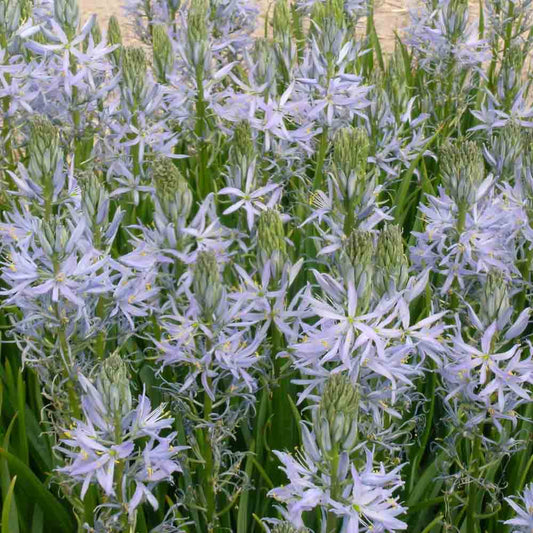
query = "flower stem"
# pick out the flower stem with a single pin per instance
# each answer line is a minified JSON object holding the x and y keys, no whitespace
{"x":209,"y":485}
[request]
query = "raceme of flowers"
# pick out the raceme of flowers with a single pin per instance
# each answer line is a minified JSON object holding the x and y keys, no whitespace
{"x":263,"y":274}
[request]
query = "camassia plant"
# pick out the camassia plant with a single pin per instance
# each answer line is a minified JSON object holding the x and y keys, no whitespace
{"x":262,"y":275}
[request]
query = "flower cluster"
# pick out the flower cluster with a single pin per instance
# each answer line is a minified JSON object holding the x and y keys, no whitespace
{"x":266,"y":279}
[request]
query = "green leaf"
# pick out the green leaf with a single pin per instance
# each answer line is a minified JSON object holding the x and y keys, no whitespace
{"x":37,"y":524}
{"x":54,"y":513}
{"x":10,"y":522}
{"x":403,"y":189}
{"x":21,"y":425}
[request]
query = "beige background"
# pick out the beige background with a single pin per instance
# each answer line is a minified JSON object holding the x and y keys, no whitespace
{"x":390,"y":16}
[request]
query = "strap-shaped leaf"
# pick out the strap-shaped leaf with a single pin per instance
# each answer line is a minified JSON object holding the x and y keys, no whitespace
{"x":54,"y":513}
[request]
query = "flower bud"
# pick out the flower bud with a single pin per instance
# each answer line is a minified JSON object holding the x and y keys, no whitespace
{"x":350,"y":154}
{"x":67,"y":14}
{"x":506,"y":149}
{"x":54,"y":236}
{"x":134,"y":68}
{"x":281,"y":21}
{"x":335,"y":419}
{"x":350,"y":151}
{"x":463,"y":170}
{"x":114,"y":37}
{"x":392,"y":265}
{"x":163,"y":52}
{"x":494,"y":298}
{"x":264,"y":62}
{"x":10,"y":16}
{"x":242,"y":149}
{"x":328,"y":28}
{"x":114,"y":385}
{"x":271,"y":245}
{"x":198,"y":34}
{"x":173,"y":6}
{"x":43,"y":150}
{"x":207,"y":283}
{"x":96,"y":33}
{"x":172,"y":190}
{"x":94,"y":198}
{"x":286,"y":527}
{"x":355,"y":263}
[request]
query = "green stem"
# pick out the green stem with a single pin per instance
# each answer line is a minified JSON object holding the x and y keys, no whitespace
{"x":333,"y":519}
{"x":433,"y":523}
{"x":209,"y":485}
{"x":321,"y":157}
{"x":203,"y":185}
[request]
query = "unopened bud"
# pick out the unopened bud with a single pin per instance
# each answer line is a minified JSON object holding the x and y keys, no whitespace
{"x":287,"y":527}
{"x":356,"y":263}
{"x":94,"y":198}
{"x":271,"y":245}
{"x":114,"y":385}
{"x":43,"y":150}
{"x":67,"y":14}
{"x":335,"y":420}
{"x":198,"y":34}
{"x":242,"y":146}
{"x":173,"y":6}
{"x":134,"y":68}
{"x":163,"y":52}
{"x":494,"y":298}
{"x":10,"y":16}
{"x":114,"y":37}
{"x":463,"y":170}
{"x":207,"y":283}
{"x":328,"y":28}
{"x":265,"y":62}
{"x":350,"y":150}
{"x":172,"y":190}
{"x":350,"y":154}
{"x":392,"y":265}
{"x":281,"y":21}
{"x":54,"y":236}
{"x":96,"y":33}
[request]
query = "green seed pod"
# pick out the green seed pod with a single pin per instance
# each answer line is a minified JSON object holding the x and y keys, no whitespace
{"x":463,"y":170}
{"x":163,"y":52}
{"x":114,"y":37}
{"x":207,"y":283}
{"x":134,"y":68}
{"x":67,"y":14}
{"x":494,"y":299}
{"x":335,"y":420}
{"x":114,"y":385}
{"x":392,"y":265}
{"x":172,"y":190}
{"x":271,"y":245}
{"x":355,"y":263}
{"x":43,"y":149}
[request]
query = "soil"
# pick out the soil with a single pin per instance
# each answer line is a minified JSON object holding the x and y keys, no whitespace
{"x":390,"y":16}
